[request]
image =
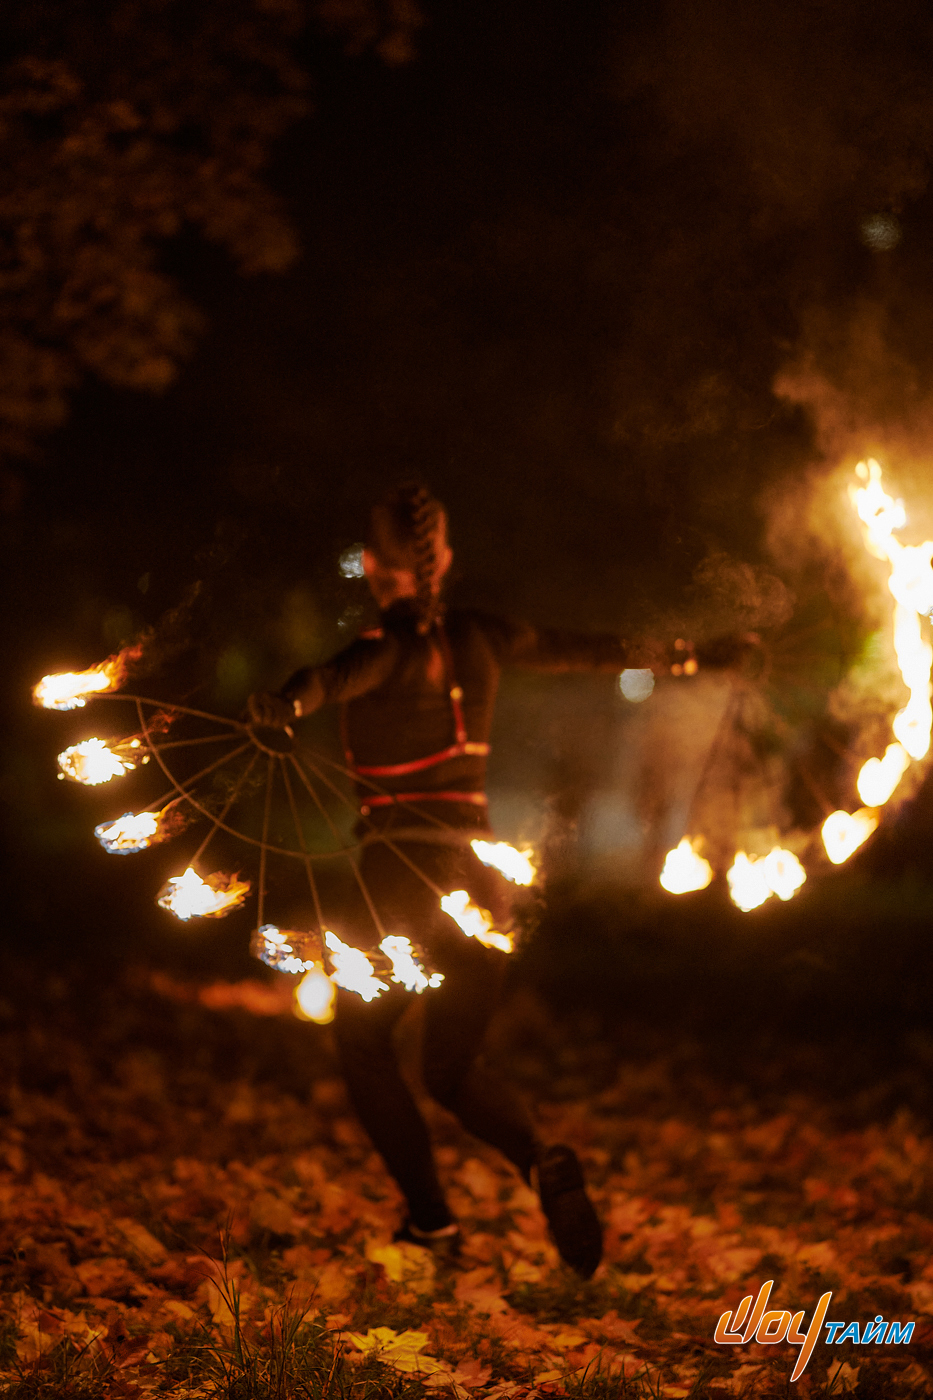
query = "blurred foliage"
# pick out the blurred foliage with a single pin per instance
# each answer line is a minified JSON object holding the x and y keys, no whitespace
{"x":124,"y":124}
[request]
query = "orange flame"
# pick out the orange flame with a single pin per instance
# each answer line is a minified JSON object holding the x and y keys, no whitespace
{"x":94,"y":761}
{"x":516,"y":866}
{"x":315,"y":995}
{"x":844,"y":832}
{"x":132,"y":832}
{"x":475,"y":922}
{"x":189,"y":897}
{"x":684,"y":869}
{"x":69,"y":689}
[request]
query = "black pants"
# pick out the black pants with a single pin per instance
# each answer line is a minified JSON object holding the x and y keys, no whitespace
{"x":456,"y":1015}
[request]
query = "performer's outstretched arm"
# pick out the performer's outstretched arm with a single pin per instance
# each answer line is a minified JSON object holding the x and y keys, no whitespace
{"x":357,"y":669}
{"x":552,"y":649}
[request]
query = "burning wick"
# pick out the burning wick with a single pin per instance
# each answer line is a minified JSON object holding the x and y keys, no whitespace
{"x":406,"y":969}
{"x":684,"y":870}
{"x":68,"y":691}
{"x":475,"y":922}
{"x":189,"y":897}
{"x":129,"y":833}
{"x":514,"y":865}
{"x":353,"y":970}
{"x":93,"y":761}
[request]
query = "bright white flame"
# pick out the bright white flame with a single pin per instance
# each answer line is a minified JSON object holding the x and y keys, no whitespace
{"x":68,"y":690}
{"x":190,"y":897}
{"x":405,"y":966}
{"x":880,"y":776}
{"x":911,"y":584}
{"x":684,"y":869}
{"x":844,"y":832}
{"x":129,"y":833}
{"x":753,"y":879}
{"x":93,"y":761}
{"x":515,"y":865}
{"x":748,"y":882}
{"x":314,"y":996}
{"x":353,"y":970}
{"x":636,"y":685}
{"x":475,"y":922}
{"x":784,"y":873}
{"x":276,"y":948}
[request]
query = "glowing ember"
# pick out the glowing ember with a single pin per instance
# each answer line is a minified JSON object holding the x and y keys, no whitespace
{"x":69,"y":690}
{"x":129,"y":833}
{"x":94,"y":761}
{"x":405,"y":967}
{"x":684,"y":869}
{"x":514,"y":865}
{"x":190,"y":897}
{"x":748,"y":882}
{"x":353,"y":970}
{"x":784,"y":873}
{"x":844,"y":832}
{"x":475,"y":922}
{"x":314,"y":996}
{"x":880,"y":776}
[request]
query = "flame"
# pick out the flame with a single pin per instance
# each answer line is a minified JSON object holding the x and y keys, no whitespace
{"x":129,"y":833}
{"x":278,"y":949}
{"x":94,"y":761}
{"x":315,"y":995}
{"x":69,"y":690}
{"x":880,"y":776}
{"x":684,"y":869}
{"x":353,"y":970}
{"x":190,"y":897}
{"x":475,"y":922}
{"x":752,"y":881}
{"x":406,"y":969}
{"x":516,"y":866}
{"x":844,"y":832}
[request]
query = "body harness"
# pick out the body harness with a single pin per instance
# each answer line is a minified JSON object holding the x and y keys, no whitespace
{"x":462,"y":746}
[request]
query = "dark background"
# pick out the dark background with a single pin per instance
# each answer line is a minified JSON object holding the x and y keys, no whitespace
{"x":599,"y":274}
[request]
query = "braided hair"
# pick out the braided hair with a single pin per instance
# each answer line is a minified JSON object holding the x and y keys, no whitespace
{"x":409,"y":531}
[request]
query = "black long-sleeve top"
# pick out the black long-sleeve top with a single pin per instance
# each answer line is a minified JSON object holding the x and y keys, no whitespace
{"x":395,"y":686}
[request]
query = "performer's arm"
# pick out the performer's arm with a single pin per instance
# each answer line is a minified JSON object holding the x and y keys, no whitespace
{"x":352,"y":672}
{"x":552,"y":649}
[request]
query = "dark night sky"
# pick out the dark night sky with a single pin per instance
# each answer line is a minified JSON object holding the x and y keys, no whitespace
{"x":554,"y":266}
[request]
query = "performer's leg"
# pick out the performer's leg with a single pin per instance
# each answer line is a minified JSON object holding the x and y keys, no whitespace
{"x":457,"y":1015}
{"x":384,"y":1102}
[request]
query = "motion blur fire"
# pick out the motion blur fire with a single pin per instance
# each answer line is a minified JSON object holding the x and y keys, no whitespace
{"x":515,"y":865}
{"x":69,"y":689}
{"x":754,"y":880}
{"x":475,"y":922}
{"x":352,"y":969}
{"x":95,"y":761}
{"x":189,"y":897}
{"x":910,"y":582}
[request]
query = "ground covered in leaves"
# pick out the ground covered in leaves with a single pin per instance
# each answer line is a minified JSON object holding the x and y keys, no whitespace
{"x":188,"y":1208}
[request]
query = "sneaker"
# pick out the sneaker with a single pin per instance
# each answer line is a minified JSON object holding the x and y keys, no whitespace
{"x":575,"y":1227}
{"x":444,"y":1243}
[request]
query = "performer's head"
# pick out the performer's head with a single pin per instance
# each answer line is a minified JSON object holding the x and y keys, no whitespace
{"x":406,"y":553}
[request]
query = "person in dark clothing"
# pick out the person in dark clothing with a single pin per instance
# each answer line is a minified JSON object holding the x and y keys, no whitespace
{"x":417,"y":696}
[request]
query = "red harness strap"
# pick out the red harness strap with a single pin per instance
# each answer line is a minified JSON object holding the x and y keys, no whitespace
{"x":389,"y":799}
{"x":461,"y":747}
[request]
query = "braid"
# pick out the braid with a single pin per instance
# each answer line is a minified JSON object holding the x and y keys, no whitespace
{"x":409,"y":530}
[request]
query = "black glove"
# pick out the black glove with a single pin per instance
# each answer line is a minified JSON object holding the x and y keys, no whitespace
{"x":270,"y":711}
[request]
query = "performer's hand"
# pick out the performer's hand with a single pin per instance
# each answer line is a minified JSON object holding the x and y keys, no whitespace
{"x":270,"y":710}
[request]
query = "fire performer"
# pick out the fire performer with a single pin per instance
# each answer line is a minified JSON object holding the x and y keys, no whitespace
{"x":417,"y":696}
